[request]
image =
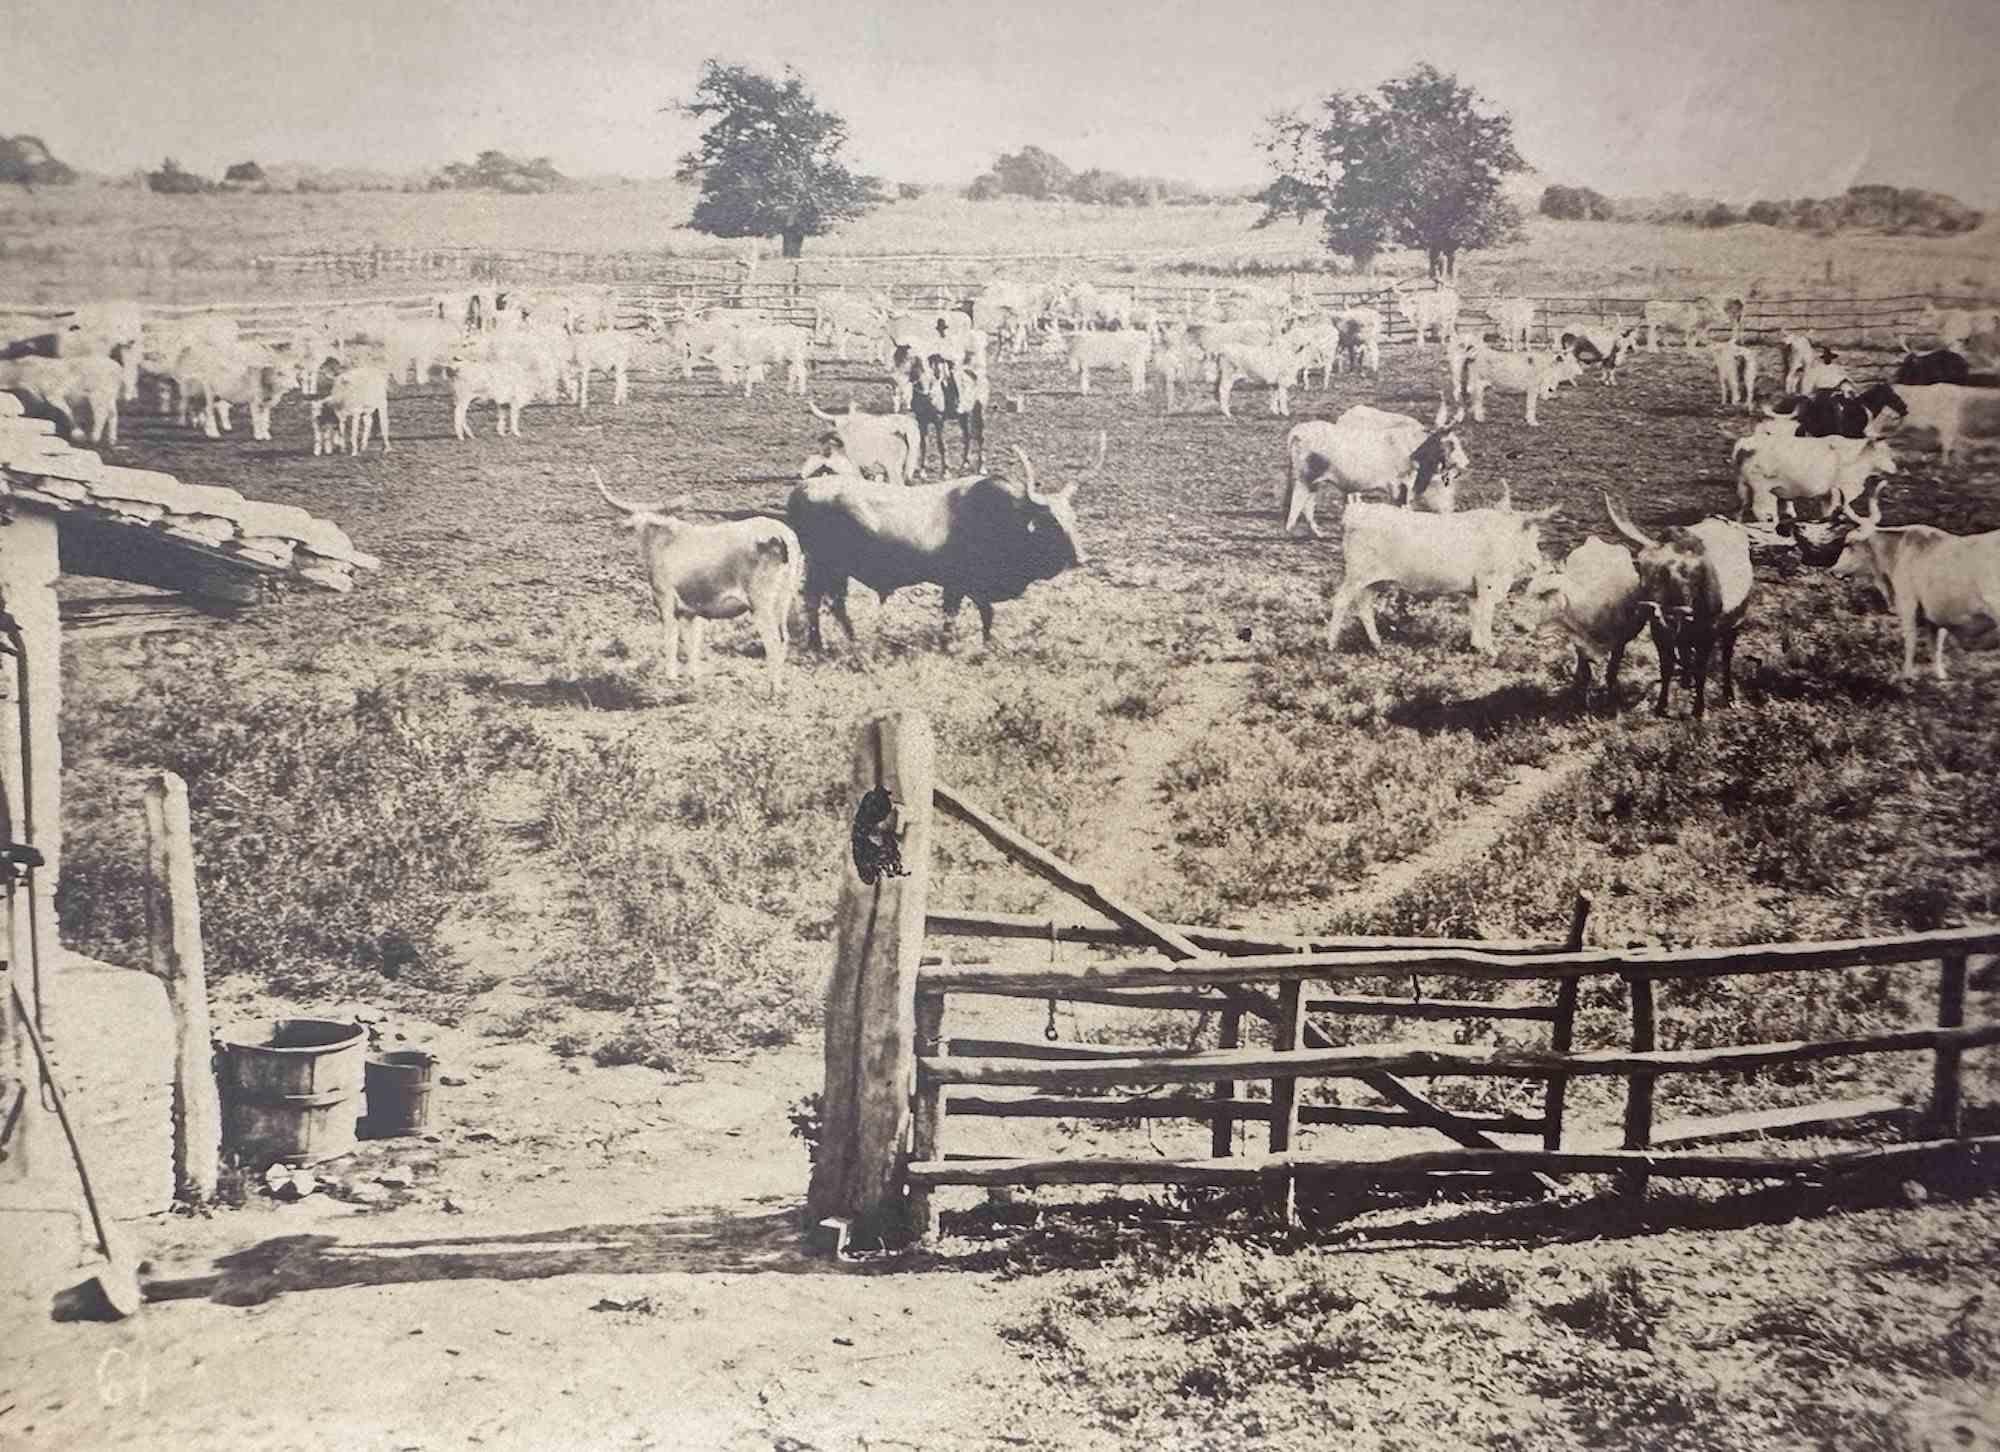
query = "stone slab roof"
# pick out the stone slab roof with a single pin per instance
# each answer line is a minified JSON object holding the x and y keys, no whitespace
{"x":40,"y":469}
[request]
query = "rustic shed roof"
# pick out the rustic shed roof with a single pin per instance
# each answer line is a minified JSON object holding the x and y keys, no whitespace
{"x":153,"y":511}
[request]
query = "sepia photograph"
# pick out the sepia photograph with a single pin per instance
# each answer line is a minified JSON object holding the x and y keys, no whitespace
{"x":778,"y":727}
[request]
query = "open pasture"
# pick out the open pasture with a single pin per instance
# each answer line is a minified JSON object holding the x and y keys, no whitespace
{"x":1168,"y":715}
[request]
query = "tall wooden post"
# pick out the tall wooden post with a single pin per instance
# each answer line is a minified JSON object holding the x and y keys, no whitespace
{"x":1222,"y":1128}
{"x":1289,"y":1032}
{"x":927,"y":1126}
{"x":1946,"y":1116}
{"x":173,"y":932}
{"x":1562,"y":1036}
{"x":1639,"y":1089}
{"x":871,"y":1003}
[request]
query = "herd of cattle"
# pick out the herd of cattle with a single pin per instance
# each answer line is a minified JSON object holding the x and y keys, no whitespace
{"x":1821,"y":445}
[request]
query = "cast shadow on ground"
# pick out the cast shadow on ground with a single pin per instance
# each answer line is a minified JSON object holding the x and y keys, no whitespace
{"x":711,"y":1243}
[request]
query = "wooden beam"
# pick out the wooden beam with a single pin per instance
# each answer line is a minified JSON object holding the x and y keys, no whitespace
{"x":1222,"y":1127}
{"x":1213,"y":1065}
{"x":1290,"y":1038}
{"x":173,"y":932}
{"x":1562,"y":1035}
{"x":1251,"y":1169}
{"x":966,"y":923}
{"x":1434,"y":1008}
{"x":1718,"y":1128}
{"x":1639,"y":1090}
{"x":927,"y":1118}
{"x":1945,"y":1113}
{"x":1216,"y":1110}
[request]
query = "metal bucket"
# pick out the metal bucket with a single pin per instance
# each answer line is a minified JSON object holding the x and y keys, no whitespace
{"x":289,"y":1089}
{"x":399,"y":1092}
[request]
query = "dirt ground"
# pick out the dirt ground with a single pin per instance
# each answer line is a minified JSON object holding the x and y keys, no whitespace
{"x":580,"y":1256}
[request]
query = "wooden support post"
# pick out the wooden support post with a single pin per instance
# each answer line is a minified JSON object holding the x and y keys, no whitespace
{"x":871,"y":1005}
{"x":1946,"y":1115}
{"x":173,"y":933}
{"x":927,"y":1122}
{"x":1562,"y":1036}
{"x":1290,"y":1035}
{"x":1639,"y":1088}
{"x":1222,"y":1130}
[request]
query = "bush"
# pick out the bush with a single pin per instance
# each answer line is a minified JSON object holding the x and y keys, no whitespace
{"x":1769,"y":214}
{"x":1577,"y":204}
{"x":171,"y":180}
{"x":332,"y":837}
{"x":1721,"y":214}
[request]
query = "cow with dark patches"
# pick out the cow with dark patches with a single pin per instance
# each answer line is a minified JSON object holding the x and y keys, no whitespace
{"x":942,"y":391}
{"x":1694,"y":584}
{"x":1939,"y":365}
{"x":985,"y":539}
{"x":1600,"y":346}
{"x":1827,"y":413}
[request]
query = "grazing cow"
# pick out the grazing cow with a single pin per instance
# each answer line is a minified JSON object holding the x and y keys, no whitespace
{"x":1694,"y":585}
{"x":1127,"y":348}
{"x":1939,"y":365}
{"x":1954,"y":412}
{"x":1514,"y":317}
{"x":1952,"y":580}
{"x":942,"y":392}
{"x":1601,"y":347}
{"x":1274,"y":363}
{"x":1689,"y":318}
{"x":1592,"y":597}
{"x":888,"y":442}
{"x":985,"y":539}
{"x":703,"y":572}
{"x":511,"y":386}
{"x":1836,"y":413}
{"x":358,"y":397}
{"x":1366,"y":450}
{"x":1480,"y":552}
{"x":1476,"y":368}
{"x":1736,"y":371}
{"x":1831,"y":470}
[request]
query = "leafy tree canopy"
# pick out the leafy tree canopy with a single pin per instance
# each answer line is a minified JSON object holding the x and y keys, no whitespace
{"x":1416,"y":163}
{"x":27,"y":162}
{"x":496,"y":171}
{"x":769,"y":163}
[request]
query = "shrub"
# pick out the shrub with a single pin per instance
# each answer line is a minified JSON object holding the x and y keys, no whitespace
{"x":332,"y":836}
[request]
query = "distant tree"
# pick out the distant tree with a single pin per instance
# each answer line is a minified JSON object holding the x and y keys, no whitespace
{"x":171,"y":180}
{"x":1032,"y":172}
{"x":1720,"y":214}
{"x":27,"y":162}
{"x":244,"y":174}
{"x":985,"y":187}
{"x":770,"y":161}
{"x":1416,"y":164}
{"x":1770,"y":214}
{"x":496,"y":171}
{"x":908,"y":191}
{"x":1576,"y":204}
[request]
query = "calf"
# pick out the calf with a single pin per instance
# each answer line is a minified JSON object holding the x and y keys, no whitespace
{"x":1736,"y":371}
{"x":1514,"y":317}
{"x":1954,"y":412}
{"x":1694,"y":585}
{"x":1360,"y":340}
{"x":1533,"y":375}
{"x":1130,"y":349}
{"x":888,"y":442}
{"x":357,"y":397}
{"x":1367,"y":450}
{"x":703,"y":572}
{"x":509,"y":384}
{"x":1434,"y":311}
{"x":69,"y":389}
{"x":1952,"y":580}
{"x":945,"y":392}
{"x":1592,"y":597}
{"x":1809,"y":367}
{"x":1274,"y":363}
{"x":1600,"y":346}
{"x":1831,"y":471}
{"x":1480,"y":552}
{"x":1836,"y":413}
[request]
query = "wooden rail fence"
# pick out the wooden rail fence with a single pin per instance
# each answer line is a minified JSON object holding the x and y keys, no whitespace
{"x":896,"y":1077}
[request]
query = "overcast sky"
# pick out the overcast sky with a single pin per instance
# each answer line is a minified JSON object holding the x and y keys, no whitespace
{"x":1741,"y":99}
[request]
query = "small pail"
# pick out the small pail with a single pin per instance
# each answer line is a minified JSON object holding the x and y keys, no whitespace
{"x":289,"y":1088}
{"x":399,"y":1092}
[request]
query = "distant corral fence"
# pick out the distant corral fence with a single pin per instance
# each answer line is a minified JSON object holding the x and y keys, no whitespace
{"x":646,"y":287}
{"x":897,"y":1080}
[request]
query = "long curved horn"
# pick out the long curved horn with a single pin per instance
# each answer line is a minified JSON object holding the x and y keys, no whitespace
{"x":1624,"y":526}
{"x":1026,"y":467}
{"x":623,"y":506}
{"x":820,"y":413}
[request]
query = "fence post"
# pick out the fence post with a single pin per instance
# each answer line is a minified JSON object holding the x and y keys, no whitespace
{"x":1639,"y":1089}
{"x":871,"y":1031}
{"x":1289,"y":1033}
{"x":1563,"y":1035}
{"x":927,"y":1123}
{"x":1946,"y":1115}
{"x":1222,"y":1129}
{"x":173,"y":932}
